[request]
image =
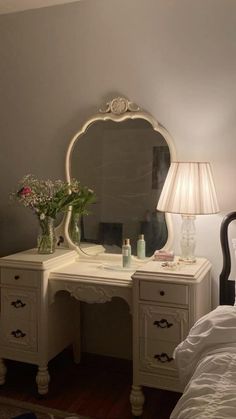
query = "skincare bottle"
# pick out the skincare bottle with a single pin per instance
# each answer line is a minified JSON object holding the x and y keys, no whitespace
{"x":141,"y":247}
{"x":126,"y":254}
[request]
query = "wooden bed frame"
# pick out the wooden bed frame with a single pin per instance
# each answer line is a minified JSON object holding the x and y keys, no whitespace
{"x":227,"y":288}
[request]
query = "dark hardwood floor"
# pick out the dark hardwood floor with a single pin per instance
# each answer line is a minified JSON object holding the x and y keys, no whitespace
{"x":98,"y":387}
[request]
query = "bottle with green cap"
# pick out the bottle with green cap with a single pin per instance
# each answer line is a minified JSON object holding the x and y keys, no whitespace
{"x":126,"y":254}
{"x":141,"y":247}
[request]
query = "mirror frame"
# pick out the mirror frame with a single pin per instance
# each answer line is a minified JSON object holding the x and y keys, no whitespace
{"x":118,"y":109}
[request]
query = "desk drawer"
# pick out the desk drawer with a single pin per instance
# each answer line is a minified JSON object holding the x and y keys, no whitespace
{"x":164,"y":292}
{"x":19,"y":335}
{"x":157,"y":357}
{"x":18,"y":304}
{"x":19,"y":318}
{"x":163,"y":323}
{"x":18,"y":277}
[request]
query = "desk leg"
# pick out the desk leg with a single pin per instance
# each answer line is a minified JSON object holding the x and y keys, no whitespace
{"x":77,"y":335}
{"x":42,"y":379}
{"x":137,"y":400}
{"x":3,"y":371}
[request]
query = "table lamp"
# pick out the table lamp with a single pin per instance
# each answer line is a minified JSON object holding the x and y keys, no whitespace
{"x":188,"y":190}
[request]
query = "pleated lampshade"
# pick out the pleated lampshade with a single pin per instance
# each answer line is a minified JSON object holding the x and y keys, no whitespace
{"x":189,"y":189}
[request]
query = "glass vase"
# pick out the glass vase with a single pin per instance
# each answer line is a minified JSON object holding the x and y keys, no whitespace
{"x":74,"y":229}
{"x":46,"y":236}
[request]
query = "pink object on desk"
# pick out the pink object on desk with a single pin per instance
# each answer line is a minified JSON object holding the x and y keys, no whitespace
{"x":164,"y":255}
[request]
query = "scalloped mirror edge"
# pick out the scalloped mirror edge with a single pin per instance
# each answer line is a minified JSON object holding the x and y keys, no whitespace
{"x":118,"y":109}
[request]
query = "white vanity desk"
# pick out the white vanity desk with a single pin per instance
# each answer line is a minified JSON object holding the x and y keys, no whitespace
{"x":39,"y":318}
{"x":93,"y":281}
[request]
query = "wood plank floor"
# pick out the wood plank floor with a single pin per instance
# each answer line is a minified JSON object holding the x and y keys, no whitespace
{"x":98,"y":387}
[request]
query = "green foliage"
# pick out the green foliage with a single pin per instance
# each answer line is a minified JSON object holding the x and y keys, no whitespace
{"x":48,"y":198}
{"x":81,"y":197}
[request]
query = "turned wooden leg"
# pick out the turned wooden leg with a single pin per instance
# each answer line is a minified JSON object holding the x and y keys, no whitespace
{"x":3,"y":371}
{"x":42,"y":379}
{"x":137,"y":400}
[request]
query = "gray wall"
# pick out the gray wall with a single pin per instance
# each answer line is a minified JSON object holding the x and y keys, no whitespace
{"x":176,"y":59}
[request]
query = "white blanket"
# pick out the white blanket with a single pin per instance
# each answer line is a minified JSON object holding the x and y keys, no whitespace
{"x":207,"y":366}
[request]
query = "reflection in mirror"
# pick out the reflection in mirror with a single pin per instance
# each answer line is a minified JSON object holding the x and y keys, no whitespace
{"x":125,"y":164}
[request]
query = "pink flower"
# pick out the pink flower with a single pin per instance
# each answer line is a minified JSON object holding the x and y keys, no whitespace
{"x":25,"y":191}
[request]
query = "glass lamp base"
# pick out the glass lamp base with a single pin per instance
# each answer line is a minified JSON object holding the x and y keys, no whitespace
{"x":188,"y":239}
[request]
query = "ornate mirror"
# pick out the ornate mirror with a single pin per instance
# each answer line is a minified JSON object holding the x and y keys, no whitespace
{"x":123,"y":154}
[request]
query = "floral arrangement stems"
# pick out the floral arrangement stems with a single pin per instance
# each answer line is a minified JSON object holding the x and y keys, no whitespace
{"x":82,"y":198}
{"x":46,"y":237}
{"x":74,"y":228}
{"x":47,"y":199}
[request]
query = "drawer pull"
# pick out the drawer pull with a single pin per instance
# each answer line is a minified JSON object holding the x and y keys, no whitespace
{"x":163,"y":357}
{"x":18,"y":304}
{"x":163,"y":323}
{"x":18,"y":333}
{"x":17,"y":277}
{"x":162,"y":293}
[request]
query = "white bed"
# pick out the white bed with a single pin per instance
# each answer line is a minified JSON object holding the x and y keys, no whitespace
{"x":206,"y":361}
{"x":207,"y":358}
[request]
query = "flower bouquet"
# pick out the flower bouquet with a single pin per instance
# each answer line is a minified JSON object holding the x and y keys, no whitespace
{"x":47,"y":199}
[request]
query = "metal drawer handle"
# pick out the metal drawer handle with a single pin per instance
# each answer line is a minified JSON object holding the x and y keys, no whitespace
{"x":163,"y":323}
{"x":17,"y":277}
{"x":18,"y":333}
{"x":163,"y":357}
{"x":18,"y":304}
{"x":162,"y":293}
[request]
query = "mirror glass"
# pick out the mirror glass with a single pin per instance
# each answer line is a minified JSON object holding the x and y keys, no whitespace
{"x":125,"y":162}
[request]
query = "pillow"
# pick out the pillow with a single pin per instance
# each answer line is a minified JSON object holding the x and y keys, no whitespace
{"x":212,"y":331}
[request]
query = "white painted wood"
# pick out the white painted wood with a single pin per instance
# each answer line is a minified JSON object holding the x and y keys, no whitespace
{"x":42,"y":379}
{"x":90,"y":282}
{"x":166,"y":303}
{"x":162,"y":323}
{"x":62,"y":324}
{"x":19,"y":319}
{"x":137,"y":400}
{"x":20,"y":277}
{"x":118,"y":109}
{"x":31,"y":259}
{"x":27,"y":332}
{"x":50,"y":319}
{"x":164,"y":292}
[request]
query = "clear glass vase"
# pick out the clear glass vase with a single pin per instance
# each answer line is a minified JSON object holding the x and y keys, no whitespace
{"x":46,"y":236}
{"x":74,"y":229}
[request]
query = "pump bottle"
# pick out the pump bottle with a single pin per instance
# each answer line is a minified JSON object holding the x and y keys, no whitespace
{"x":141,"y":247}
{"x":126,"y":254}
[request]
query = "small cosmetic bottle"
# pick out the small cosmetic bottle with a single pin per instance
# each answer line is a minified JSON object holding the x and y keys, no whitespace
{"x":126,"y":254}
{"x":141,"y":247}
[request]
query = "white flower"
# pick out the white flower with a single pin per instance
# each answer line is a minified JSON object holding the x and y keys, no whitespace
{"x":42,"y":216}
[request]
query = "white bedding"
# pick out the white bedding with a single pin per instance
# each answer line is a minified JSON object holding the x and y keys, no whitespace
{"x":207,"y":366}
